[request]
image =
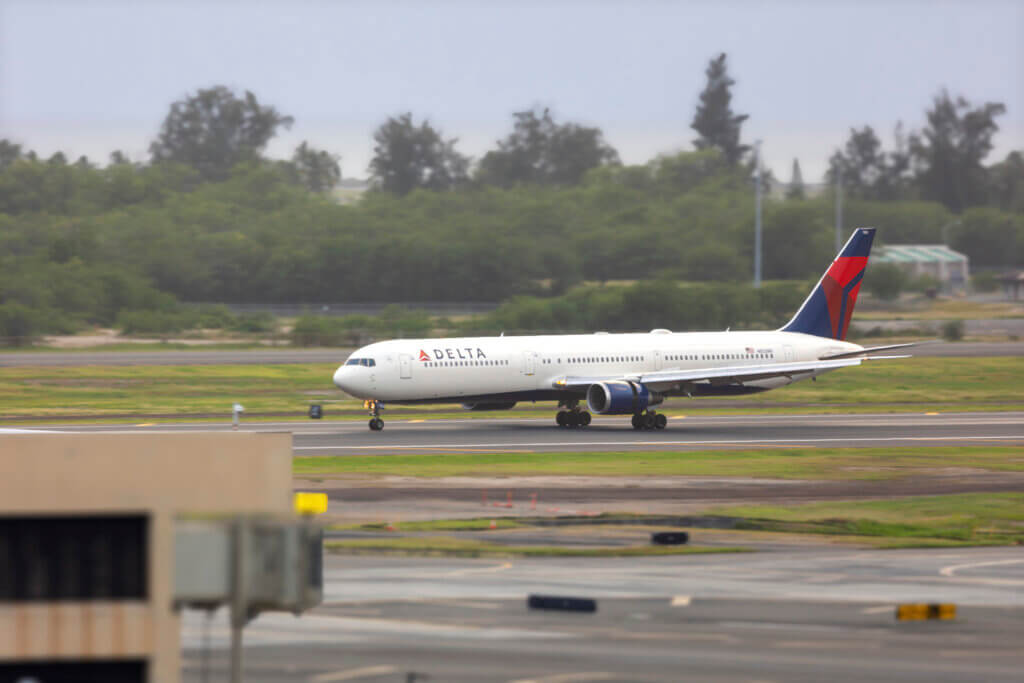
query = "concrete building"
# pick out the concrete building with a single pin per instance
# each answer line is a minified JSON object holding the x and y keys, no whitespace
{"x":87,"y":542}
{"x":949,"y":267}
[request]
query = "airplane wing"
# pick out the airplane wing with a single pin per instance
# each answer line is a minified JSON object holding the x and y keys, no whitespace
{"x":870,"y":349}
{"x":664,"y":379}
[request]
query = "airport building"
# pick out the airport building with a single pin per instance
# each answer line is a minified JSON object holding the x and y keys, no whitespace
{"x":949,"y":267}
{"x":87,"y":542}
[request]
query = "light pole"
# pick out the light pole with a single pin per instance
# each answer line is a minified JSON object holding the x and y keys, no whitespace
{"x":839,"y":207}
{"x":757,"y":214}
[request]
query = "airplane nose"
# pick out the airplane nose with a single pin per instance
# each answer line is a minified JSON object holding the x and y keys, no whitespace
{"x":339,"y":377}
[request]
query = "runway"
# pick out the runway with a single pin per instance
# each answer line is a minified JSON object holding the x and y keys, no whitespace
{"x":613,"y":433}
{"x":684,"y":433}
{"x":812,"y":614}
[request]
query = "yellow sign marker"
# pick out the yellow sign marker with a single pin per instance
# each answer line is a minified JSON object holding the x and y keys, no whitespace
{"x":923,"y":611}
{"x":310,"y":503}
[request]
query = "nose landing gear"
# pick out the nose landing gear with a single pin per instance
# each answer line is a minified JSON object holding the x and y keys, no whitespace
{"x":573,"y":417}
{"x":374,"y":406}
{"x":649,"y":420}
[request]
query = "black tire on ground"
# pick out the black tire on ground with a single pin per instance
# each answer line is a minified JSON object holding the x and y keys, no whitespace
{"x":660,"y":421}
{"x":649,"y":421}
{"x":670,"y":538}
{"x":376,"y":424}
{"x":560,"y":418}
{"x":638,"y":421}
{"x":572,"y":419}
{"x":584,"y":419}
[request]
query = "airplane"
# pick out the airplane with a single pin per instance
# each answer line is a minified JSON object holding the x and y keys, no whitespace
{"x":619,"y":374}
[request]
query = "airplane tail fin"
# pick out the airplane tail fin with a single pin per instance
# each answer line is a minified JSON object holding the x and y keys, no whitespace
{"x":827,"y":310}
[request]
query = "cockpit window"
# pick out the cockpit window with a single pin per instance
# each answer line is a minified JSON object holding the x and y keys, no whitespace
{"x":365,"y":362}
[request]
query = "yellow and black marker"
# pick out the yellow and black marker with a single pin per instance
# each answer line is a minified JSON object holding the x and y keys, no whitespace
{"x":923,"y":611}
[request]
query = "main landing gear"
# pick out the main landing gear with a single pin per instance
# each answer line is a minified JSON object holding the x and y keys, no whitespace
{"x":649,"y":420}
{"x":374,"y":406}
{"x":573,"y":417}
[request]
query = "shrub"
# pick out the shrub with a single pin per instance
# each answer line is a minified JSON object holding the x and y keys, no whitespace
{"x":953,"y":330}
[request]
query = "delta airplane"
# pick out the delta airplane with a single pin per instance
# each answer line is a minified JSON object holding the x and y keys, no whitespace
{"x":619,"y":374}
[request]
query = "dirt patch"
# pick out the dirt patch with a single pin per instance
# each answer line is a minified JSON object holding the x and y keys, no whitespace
{"x":406,"y":498}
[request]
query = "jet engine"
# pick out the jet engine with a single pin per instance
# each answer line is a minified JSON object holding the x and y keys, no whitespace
{"x":490,"y":405}
{"x":620,"y":398}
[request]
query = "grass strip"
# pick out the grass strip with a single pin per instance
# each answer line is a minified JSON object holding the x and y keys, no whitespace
{"x":942,"y":521}
{"x":782,"y":463}
{"x":457,"y":547}
{"x":915,"y":384}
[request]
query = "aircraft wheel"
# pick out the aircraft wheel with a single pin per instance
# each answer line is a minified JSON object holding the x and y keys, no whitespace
{"x":638,"y":421}
{"x":649,"y":421}
{"x":376,"y":424}
{"x":584,"y":419}
{"x":660,"y":421}
{"x":572,"y":419}
{"x":560,"y":418}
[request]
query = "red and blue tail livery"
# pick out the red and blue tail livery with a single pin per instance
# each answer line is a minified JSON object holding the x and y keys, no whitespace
{"x":828,"y":309}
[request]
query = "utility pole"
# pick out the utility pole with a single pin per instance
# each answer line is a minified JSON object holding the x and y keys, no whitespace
{"x":757,"y":214}
{"x":839,"y":207}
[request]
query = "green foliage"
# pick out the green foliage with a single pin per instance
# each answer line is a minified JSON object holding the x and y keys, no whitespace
{"x":355,"y":330}
{"x":539,"y":151}
{"x":885,"y":280}
{"x":953,"y":330}
{"x":867,"y":171}
{"x":213,"y":130}
{"x":990,"y":237}
{"x":646,"y":305}
{"x":951,"y":148}
{"x":19,"y":324}
{"x":407,"y":157}
{"x":714,"y":120}
{"x":985,"y":281}
{"x":316,"y":170}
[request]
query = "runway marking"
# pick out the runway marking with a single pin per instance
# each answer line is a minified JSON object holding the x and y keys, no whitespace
{"x":680,"y":601}
{"x":479,"y":570}
{"x":954,"y":568}
{"x":353,"y":674}
{"x":881,"y":609}
{"x":146,"y":424}
{"x":412,"y":422}
{"x":490,"y":448}
{"x":570,"y":678}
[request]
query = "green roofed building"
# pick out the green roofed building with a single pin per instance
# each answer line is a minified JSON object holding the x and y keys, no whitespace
{"x":937,"y":260}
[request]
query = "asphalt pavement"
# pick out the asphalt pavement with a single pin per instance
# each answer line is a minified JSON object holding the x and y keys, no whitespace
{"x":810,"y":615}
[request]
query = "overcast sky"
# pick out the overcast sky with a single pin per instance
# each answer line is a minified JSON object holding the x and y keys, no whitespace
{"x":90,"y":77}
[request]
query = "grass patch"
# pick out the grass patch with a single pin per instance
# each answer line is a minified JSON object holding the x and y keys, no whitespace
{"x":784,"y":463}
{"x":109,"y":392}
{"x":937,"y":521}
{"x":456,"y":547}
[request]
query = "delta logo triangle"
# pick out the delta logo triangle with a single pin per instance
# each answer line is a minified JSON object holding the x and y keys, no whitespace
{"x":423,"y":355}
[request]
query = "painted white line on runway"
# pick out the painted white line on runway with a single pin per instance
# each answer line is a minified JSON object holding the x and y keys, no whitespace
{"x":881,"y":609}
{"x":537,"y":444}
{"x":571,"y":678}
{"x":353,"y":674}
{"x":953,"y":569}
{"x":680,"y":601}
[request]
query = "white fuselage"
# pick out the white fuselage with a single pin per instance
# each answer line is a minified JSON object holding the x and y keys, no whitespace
{"x":527,"y":368}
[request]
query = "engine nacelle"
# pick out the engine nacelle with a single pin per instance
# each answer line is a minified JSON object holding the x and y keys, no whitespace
{"x":620,"y":398}
{"x":490,"y":405}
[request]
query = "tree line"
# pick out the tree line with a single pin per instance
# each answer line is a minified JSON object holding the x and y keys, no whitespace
{"x":551,"y":207}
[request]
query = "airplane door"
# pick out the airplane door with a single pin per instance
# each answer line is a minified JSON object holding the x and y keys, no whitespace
{"x":528,"y":363}
{"x":787,"y":353}
{"x":657,"y":360}
{"x":405,"y":366}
